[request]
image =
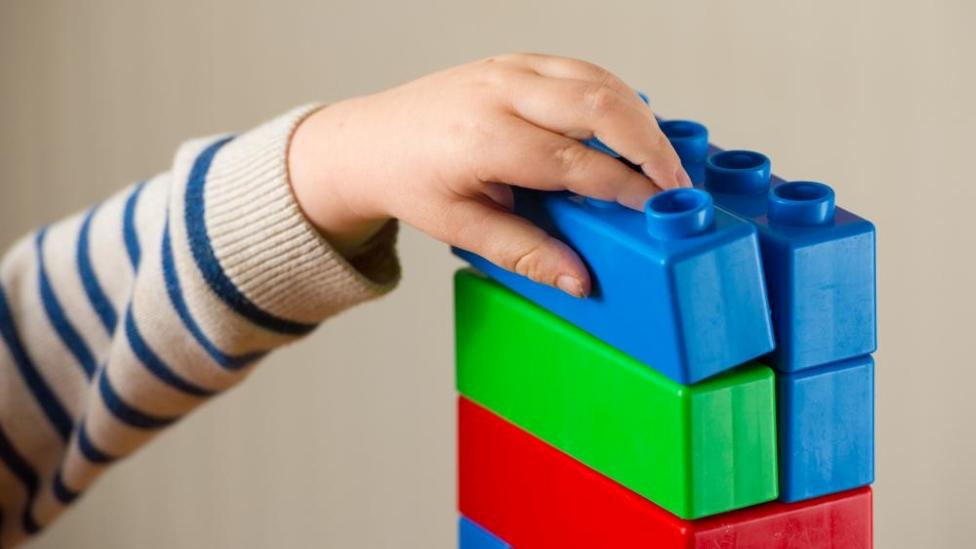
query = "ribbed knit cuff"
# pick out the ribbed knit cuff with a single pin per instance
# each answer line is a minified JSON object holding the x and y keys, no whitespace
{"x":266,"y":245}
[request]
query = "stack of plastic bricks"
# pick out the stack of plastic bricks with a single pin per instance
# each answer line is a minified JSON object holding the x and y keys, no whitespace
{"x":715,"y":390}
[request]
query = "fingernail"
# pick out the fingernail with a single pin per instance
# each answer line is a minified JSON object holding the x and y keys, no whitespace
{"x":570,"y":285}
{"x":683,"y":178}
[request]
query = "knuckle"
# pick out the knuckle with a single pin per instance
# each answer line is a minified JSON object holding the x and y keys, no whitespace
{"x":528,"y":261}
{"x":492,"y":71}
{"x":493,"y":75}
{"x":524,"y":56}
{"x":493,"y":61}
{"x":614,"y":81}
{"x":510,"y":57}
{"x":600,"y":98}
{"x":572,"y":158}
{"x":604,"y":77}
{"x":504,"y":63}
{"x":608,"y":79}
{"x":662,"y":144}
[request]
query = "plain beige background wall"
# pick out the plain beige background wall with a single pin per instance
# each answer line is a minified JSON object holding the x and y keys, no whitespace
{"x":346,"y":440}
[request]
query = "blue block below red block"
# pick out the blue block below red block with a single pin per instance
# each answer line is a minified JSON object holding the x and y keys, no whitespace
{"x":826,"y":429}
{"x":472,"y":536}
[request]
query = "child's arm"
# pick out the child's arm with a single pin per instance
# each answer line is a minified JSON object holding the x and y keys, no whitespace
{"x":117,"y":322}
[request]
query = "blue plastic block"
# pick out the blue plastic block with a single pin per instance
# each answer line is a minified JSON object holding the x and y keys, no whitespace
{"x":826,"y":429}
{"x":473,"y":536}
{"x":818,"y":259}
{"x":679,"y":288}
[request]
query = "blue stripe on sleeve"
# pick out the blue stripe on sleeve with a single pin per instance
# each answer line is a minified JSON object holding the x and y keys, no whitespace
{"x":30,"y":524}
{"x":20,"y":468}
{"x":154,"y":364}
{"x":96,"y":295}
{"x":55,"y":313}
{"x":175,"y":292}
{"x":41,"y":391}
{"x":206,"y":260}
{"x":129,"y":232}
{"x":125,"y":413}
{"x":61,"y":491}
{"x":88,"y":448}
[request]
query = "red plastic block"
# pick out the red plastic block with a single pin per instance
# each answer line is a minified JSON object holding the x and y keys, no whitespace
{"x":534,"y":497}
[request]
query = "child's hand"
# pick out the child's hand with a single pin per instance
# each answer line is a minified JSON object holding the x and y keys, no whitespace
{"x":439,"y":152}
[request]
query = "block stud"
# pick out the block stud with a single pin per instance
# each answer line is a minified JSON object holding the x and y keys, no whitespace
{"x":679,"y":213}
{"x":689,"y":139}
{"x":737,"y":172}
{"x":801,"y":203}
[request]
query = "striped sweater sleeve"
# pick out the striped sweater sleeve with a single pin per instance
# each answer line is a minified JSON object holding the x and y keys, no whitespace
{"x":117,"y":322}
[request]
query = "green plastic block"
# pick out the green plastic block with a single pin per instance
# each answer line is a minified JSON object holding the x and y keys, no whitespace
{"x":695,"y":450}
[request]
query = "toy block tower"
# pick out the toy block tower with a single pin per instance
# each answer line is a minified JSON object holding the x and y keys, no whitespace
{"x":721,"y":363}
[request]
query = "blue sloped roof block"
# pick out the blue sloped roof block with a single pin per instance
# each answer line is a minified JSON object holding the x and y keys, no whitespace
{"x":679,"y":287}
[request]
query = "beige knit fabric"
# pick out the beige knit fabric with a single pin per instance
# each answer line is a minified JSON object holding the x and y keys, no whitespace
{"x":119,"y":321}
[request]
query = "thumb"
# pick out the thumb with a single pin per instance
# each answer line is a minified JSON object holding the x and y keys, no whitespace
{"x":517,"y":245}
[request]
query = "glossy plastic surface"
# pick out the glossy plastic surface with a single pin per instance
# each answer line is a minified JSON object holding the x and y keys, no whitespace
{"x":536,"y":497}
{"x":818,"y":259}
{"x":688,"y":301}
{"x":472,"y":536}
{"x":695,"y":450}
{"x":826,"y":429}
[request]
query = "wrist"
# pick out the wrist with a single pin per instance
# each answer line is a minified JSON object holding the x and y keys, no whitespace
{"x":320,"y":181}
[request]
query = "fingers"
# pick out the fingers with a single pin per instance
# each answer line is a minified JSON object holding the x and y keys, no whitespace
{"x":538,"y":159}
{"x":577,"y":69}
{"x":582,"y":109}
{"x":514,"y":243}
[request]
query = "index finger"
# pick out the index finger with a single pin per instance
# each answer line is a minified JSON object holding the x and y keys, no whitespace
{"x":582,"y":109}
{"x":568,"y":68}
